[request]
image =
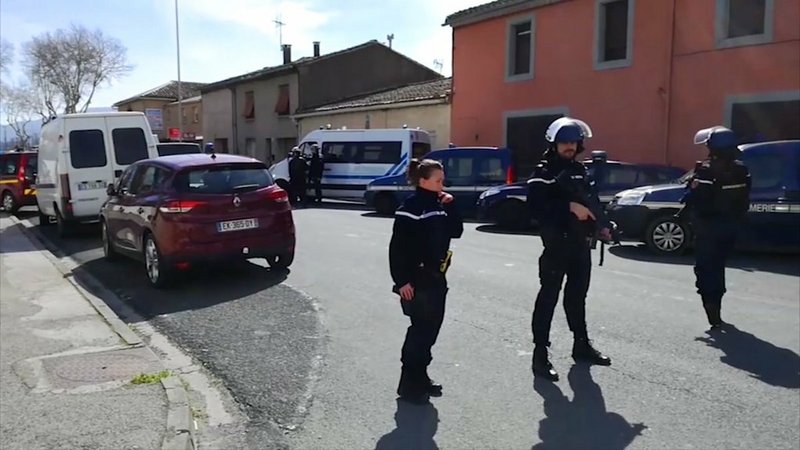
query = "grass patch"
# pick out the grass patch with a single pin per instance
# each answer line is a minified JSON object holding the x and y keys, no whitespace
{"x":150,"y":378}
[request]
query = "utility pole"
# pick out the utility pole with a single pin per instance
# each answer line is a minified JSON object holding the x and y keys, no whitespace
{"x":279,"y":25}
{"x":390,"y":38}
{"x":180,"y":93}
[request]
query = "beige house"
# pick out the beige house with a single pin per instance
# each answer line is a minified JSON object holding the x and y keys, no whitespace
{"x":425,"y":105}
{"x":156,"y":103}
{"x":192,"y":118}
{"x":252,"y":114}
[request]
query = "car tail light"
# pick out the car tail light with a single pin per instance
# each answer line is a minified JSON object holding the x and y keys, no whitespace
{"x":179,"y":206}
{"x":510,"y":175}
{"x":21,"y":174}
{"x":278,"y":195}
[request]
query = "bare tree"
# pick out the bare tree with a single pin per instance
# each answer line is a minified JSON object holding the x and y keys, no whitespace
{"x":20,"y":105}
{"x":67,"y":66}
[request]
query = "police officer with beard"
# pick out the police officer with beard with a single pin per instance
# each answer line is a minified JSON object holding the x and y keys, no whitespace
{"x":718,"y":200}
{"x":563,"y":200}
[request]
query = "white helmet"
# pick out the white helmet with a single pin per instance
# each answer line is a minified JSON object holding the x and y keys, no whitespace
{"x":567,"y":129}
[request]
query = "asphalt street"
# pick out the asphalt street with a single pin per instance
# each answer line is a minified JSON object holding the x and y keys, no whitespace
{"x":312,"y":354}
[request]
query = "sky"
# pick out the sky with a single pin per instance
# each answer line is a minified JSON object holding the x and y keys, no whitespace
{"x":224,"y":38}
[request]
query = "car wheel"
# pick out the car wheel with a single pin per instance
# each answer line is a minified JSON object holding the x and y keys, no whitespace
{"x":9,"y":204}
{"x":155,"y":269}
{"x":512,"y":214}
{"x":667,"y":235}
{"x":385,"y":204}
{"x":108,"y":247}
{"x":282,"y":261}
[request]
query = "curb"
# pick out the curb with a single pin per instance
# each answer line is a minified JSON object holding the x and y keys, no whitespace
{"x":178,"y":433}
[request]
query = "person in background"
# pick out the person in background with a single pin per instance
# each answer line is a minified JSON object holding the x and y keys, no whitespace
{"x":315,"y":171}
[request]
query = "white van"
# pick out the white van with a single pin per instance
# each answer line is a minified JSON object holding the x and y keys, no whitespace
{"x":354,"y":157}
{"x":79,"y":155}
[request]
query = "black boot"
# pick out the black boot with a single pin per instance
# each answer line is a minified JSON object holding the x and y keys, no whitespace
{"x":434,"y":388}
{"x":413,"y":387}
{"x":582,"y":350}
{"x":541,"y":364}
{"x":713,"y":314}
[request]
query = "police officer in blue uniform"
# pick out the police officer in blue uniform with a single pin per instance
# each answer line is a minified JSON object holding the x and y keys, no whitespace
{"x":718,"y":200}
{"x":419,"y":256}
{"x":564,"y":202}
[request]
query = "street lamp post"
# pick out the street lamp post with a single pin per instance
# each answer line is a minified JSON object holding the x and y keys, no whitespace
{"x":180,"y":93}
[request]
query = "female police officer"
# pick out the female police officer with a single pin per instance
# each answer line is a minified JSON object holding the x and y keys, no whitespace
{"x":419,"y":256}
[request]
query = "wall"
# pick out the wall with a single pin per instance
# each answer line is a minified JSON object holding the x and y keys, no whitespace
{"x":141,"y":105}
{"x":433,"y":118}
{"x":189,"y":125}
{"x":218,"y":117}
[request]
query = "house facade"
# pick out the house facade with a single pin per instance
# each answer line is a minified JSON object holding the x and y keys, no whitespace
{"x":425,"y":105}
{"x":252,"y":114}
{"x":160,"y":106}
{"x":644,"y":74}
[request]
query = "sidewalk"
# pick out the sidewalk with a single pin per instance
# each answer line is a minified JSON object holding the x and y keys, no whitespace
{"x":66,"y":371}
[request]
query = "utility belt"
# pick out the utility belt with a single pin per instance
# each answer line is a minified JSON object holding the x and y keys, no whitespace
{"x":429,"y":272}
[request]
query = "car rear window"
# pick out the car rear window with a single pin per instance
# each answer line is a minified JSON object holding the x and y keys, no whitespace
{"x":130,"y":145}
{"x":87,"y":149}
{"x":223,"y":179}
{"x":178,"y":149}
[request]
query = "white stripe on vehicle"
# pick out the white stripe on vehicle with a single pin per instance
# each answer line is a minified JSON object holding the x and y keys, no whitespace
{"x":541,"y":180}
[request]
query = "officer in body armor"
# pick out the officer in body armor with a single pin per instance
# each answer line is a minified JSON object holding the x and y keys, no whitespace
{"x":717,"y":201}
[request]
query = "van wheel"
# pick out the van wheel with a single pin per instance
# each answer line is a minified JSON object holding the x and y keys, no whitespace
{"x":63,"y":227}
{"x":667,"y":235}
{"x":282,"y":261}
{"x":44,"y":219}
{"x":9,"y":204}
{"x":385,"y":204}
{"x":513,"y":215}
{"x":155,"y":269}
{"x":108,"y":247}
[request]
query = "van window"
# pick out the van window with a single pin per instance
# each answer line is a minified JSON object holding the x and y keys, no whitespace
{"x":766,"y":169}
{"x":491,"y":170}
{"x":458,"y":170}
{"x":362,"y":152}
{"x":129,"y":145}
{"x":420,"y":149}
{"x":8,"y":166}
{"x":32,"y":167}
{"x":87,"y":149}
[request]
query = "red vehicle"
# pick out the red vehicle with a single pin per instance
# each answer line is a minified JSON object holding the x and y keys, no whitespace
{"x":176,"y":211}
{"x":17,"y":178}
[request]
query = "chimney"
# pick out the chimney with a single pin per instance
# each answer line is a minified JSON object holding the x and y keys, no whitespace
{"x":316,"y":49}
{"x":287,"y":53}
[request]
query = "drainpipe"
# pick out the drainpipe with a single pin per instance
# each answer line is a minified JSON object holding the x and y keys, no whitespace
{"x":235,"y":118}
{"x":668,"y":103}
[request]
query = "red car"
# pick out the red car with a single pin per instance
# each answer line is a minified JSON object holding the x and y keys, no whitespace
{"x":17,"y":175}
{"x":176,"y":211}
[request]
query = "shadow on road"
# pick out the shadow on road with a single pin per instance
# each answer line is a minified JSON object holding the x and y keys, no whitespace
{"x":747,"y":261}
{"x":584,"y":422}
{"x":497,"y":229}
{"x":766,"y":362}
{"x":416,"y":427}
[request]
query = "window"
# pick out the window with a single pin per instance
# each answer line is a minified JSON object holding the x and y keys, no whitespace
{"x":129,"y":145}
{"x":362,"y":152}
{"x":420,"y":149}
{"x":766,"y":169}
{"x":32,"y":167}
{"x":126,"y":180}
{"x":771,"y":119}
{"x":249,"y":111}
{"x":9,"y":166}
{"x":621,"y":175}
{"x":613,"y":33}
{"x":196,"y":114}
{"x":87,"y":149}
{"x":458,"y":170}
{"x":520,"y":49}
{"x":148,"y":180}
{"x":744,"y":22}
{"x":490,"y":170}
{"x":221,"y":145}
{"x":223,"y":179}
{"x":283,"y":106}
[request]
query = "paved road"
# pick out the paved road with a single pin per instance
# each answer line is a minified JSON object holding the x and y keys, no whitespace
{"x":671,"y":384}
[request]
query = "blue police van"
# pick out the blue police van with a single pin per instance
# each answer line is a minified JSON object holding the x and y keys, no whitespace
{"x":468,"y":172}
{"x":772,"y":223}
{"x":506,"y":205}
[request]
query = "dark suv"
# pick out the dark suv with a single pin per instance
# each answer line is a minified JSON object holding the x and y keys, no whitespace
{"x":17,"y":179}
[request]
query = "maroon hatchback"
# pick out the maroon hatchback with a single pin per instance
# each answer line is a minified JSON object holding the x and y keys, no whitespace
{"x":176,"y":211}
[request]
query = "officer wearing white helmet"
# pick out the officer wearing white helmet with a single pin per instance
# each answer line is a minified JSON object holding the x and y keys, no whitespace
{"x":563,"y":200}
{"x":718,"y":199}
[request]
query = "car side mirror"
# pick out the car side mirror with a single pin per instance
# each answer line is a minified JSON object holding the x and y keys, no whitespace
{"x":111,"y":190}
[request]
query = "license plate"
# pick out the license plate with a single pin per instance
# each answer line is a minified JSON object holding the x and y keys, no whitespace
{"x":237,"y":225}
{"x":91,"y":185}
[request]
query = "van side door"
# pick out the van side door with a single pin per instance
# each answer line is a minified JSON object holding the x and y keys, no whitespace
{"x":128,"y":143}
{"x":88,"y":167}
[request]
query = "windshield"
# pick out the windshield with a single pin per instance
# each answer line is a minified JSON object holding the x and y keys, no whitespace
{"x":178,"y":149}
{"x":223,"y":179}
